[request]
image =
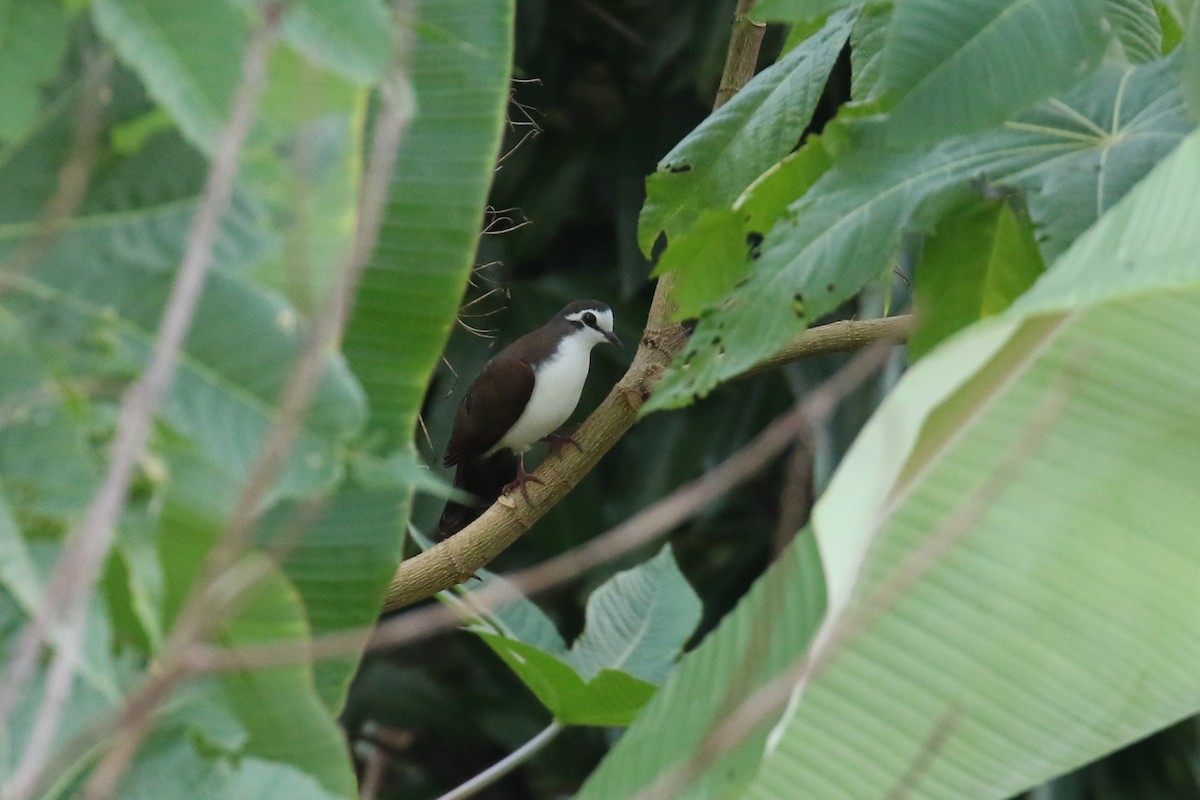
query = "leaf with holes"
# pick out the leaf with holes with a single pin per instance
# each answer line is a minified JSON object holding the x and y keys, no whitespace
{"x":742,"y":139}
{"x":1071,"y":158}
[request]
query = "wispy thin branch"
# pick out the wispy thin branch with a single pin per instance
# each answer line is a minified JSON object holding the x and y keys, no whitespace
{"x":507,"y":764}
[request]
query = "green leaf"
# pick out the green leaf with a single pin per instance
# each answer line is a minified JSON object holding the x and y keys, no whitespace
{"x":638,"y":621}
{"x":33,"y":41}
{"x":223,"y":399}
{"x":18,"y":574}
{"x":770,"y":628}
{"x":636,"y":624}
{"x":45,"y":466}
{"x":867,"y":42}
{"x":713,"y":254}
{"x":982,"y":257}
{"x":409,"y":295}
{"x":279,"y":708}
{"x":188,"y":54}
{"x":707,"y":260}
{"x":1073,"y":158}
{"x":302,"y":155}
{"x":1172,"y":30}
{"x":796,"y":11}
{"x":87,"y":705}
{"x":176,"y":759}
{"x":519,"y":619}
{"x":940,"y":52}
{"x":1137,"y":29}
{"x":763,"y":122}
{"x":610,"y":698}
{"x":341,"y":565}
{"x":960,"y":489}
{"x":1189,"y":78}
{"x":352,"y":37}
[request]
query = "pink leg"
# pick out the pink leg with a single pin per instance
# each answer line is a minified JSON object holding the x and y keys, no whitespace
{"x":558,"y":441}
{"x":523,"y":478}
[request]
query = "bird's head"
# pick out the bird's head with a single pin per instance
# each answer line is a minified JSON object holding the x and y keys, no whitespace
{"x":592,"y":319}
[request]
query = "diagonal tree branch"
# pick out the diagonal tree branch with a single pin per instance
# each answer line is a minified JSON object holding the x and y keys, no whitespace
{"x":443,"y":565}
{"x":453,"y":561}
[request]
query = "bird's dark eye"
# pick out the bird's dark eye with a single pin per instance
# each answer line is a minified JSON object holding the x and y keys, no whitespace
{"x":589,"y":319}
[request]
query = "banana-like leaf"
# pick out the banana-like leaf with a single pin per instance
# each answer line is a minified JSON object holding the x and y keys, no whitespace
{"x":408,"y":300}
{"x":768,"y":630}
{"x":1011,"y":585}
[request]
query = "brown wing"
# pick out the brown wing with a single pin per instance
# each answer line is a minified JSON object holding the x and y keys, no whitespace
{"x":492,"y":406}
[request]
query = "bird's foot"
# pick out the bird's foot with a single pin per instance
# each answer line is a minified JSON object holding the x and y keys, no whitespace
{"x":558,"y":441}
{"x":520,"y":482}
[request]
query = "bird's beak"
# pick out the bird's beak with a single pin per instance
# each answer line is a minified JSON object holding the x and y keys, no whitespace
{"x":612,"y":338}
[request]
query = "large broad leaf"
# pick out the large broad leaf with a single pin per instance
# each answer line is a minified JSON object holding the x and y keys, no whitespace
{"x":302,"y":155}
{"x":758,"y":127}
{"x":1073,"y":158}
{"x":190,"y":54}
{"x":340,"y":565}
{"x":226,"y":388}
{"x":279,"y":709}
{"x":769,"y":629}
{"x":940,"y":52}
{"x":1137,"y":29}
{"x":636,"y":624}
{"x":409,"y":296}
{"x":866,"y":52}
{"x":1009,"y":548}
{"x":33,"y":41}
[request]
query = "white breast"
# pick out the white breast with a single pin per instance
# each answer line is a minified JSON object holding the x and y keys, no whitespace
{"x":555,"y":394}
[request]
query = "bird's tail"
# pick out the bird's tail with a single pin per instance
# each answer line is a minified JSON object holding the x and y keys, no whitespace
{"x":484,"y":478}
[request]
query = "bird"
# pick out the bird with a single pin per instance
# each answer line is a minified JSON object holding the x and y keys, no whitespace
{"x":521,"y":396}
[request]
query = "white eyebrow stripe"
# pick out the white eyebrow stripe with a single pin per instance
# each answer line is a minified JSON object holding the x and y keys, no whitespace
{"x":604,"y":318}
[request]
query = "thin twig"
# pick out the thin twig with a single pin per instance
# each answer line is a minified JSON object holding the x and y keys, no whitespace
{"x":930,"y":748}
{"x":64,"y":606}
{"x":742,"y":56}
{"x":507,"y":764}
